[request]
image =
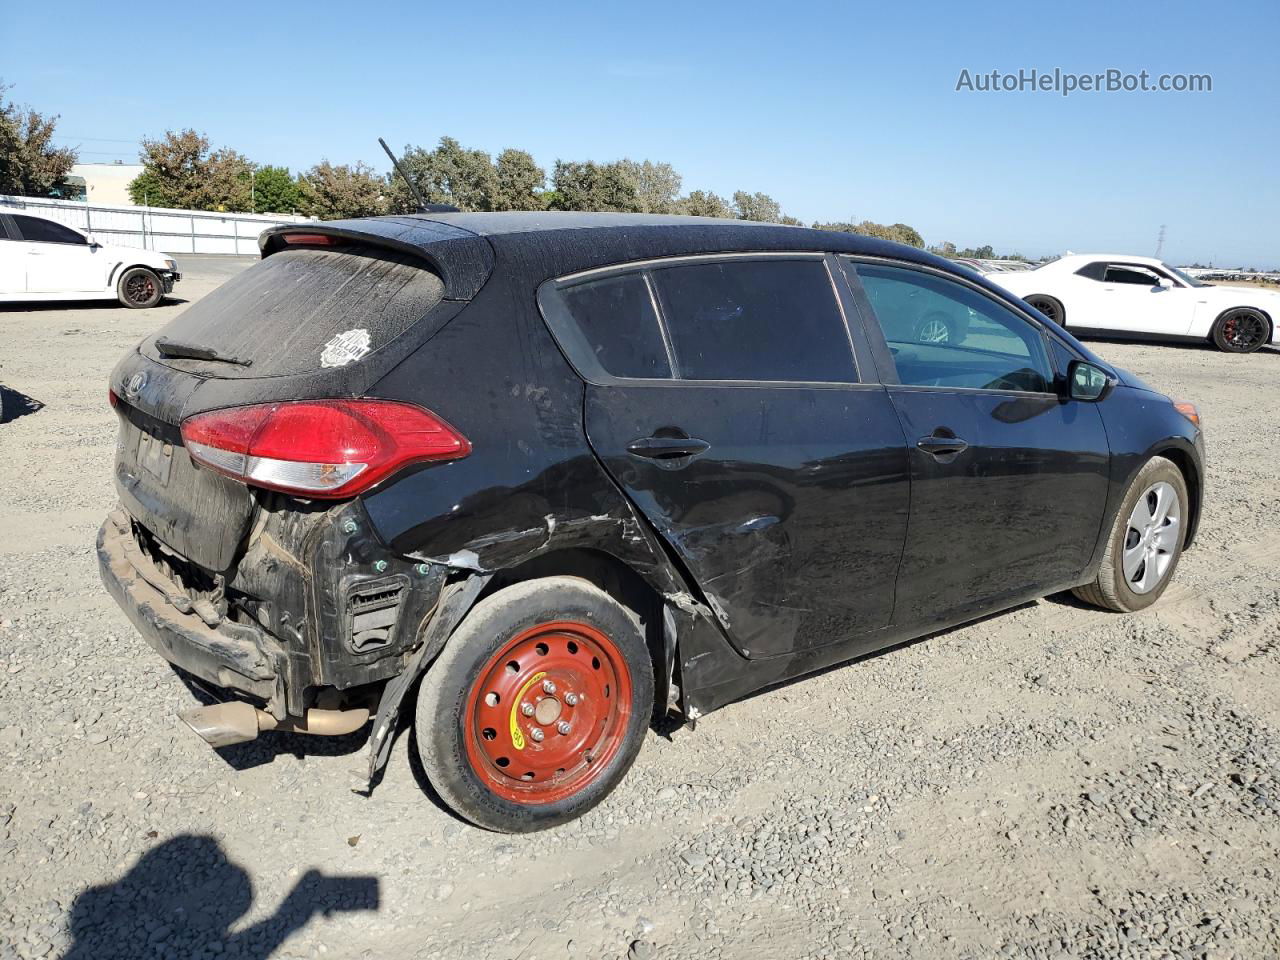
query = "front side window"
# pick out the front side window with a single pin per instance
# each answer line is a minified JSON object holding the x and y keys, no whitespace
{"x":770,"y":320}
{"x":38,"y":230}
{"x":944,"y":334}
{"x":1131,"y":274}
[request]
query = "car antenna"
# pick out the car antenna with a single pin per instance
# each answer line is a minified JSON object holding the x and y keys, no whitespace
{"x":413,"y":187}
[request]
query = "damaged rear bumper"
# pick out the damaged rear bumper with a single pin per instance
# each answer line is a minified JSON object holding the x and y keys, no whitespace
{"x":232,"y":655}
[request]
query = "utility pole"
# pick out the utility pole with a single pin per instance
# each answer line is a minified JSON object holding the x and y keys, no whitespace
{"x":1160,"y":242}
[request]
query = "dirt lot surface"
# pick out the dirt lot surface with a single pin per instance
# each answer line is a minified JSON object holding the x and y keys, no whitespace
{"x":1051,"y":782}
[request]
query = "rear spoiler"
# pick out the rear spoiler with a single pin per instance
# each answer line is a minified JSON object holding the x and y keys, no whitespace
{"x":462,"y":259}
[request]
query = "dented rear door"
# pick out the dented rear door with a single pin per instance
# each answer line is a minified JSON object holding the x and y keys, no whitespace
{"x":740,"y":429}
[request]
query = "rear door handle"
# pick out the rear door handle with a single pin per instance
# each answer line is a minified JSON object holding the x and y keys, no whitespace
{"x":667,"y":448}
{"x":942,"y":446}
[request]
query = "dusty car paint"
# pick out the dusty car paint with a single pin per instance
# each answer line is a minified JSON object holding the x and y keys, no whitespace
{"x":758,"y":583}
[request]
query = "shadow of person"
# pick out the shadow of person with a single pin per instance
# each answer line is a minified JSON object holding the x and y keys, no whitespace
{"x":14,"y":404}
{"x":182,"y":898}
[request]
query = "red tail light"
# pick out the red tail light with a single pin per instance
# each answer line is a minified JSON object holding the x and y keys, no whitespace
{"x":319,"y":448}
{"x":112,"y":398}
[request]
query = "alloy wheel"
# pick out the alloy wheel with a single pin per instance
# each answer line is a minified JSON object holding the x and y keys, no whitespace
{"x":934,"y":331}
{"x":1244,"y":330}
{"x":1152,"y":537}
{"x":140,"y":288}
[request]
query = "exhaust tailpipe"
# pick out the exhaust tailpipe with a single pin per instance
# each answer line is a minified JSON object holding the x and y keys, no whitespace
{"x":223,"y":724}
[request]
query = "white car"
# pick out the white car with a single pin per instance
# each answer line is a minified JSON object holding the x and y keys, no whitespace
{"x":41,"y":259}
{"x":1143,"y":297}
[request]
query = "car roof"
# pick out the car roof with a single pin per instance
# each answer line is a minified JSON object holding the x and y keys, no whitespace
{"x":533,"y":247}
{"x":1080,"y":258}
{"x":556,"y":243}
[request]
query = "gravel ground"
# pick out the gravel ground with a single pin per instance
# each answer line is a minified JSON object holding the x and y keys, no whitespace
{"x":1051,"y":782}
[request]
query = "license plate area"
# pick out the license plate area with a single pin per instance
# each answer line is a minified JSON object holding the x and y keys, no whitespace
{"x":155,"y":456}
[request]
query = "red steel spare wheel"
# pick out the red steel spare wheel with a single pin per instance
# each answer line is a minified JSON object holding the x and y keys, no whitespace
{"x":547,"y":712}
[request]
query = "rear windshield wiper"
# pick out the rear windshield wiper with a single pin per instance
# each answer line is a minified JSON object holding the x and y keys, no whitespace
{"x":193,"y":351}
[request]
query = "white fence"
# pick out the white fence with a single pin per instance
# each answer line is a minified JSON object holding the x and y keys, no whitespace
{"x":155,"y":228}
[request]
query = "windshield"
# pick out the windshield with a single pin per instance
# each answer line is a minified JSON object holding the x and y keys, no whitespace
{"x":1189,"y":281}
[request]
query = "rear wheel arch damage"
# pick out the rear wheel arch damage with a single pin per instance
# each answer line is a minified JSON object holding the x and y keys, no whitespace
{"x":662,"y":616}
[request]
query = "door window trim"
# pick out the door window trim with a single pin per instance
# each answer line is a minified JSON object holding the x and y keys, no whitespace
{"x":564,"y":329}
{"x":881,"y":346}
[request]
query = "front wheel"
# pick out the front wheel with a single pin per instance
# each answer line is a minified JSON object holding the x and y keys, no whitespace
{"x":537,"y":706}
{"x":1242,"y":330}
{"x":1145,"y":543}
{"x":139,"y":288}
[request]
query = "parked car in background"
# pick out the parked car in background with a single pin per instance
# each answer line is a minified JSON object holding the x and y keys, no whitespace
{"x":572,"y":470}
{"x":1105,"y":294}
{"x":42,"y":259}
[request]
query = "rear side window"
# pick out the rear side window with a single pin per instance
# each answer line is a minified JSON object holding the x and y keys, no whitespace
{"x":618,"y":325}
{"x":37,"y":230}
{"x":299,"y":310}
{"x":766,"y":320}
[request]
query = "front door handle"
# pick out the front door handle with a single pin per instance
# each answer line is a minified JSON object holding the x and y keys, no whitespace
{"x":937,"y":446}
{"x":667,"y":448}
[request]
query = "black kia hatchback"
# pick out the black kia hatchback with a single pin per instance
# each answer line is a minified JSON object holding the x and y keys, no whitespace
{"x":573,"y":472}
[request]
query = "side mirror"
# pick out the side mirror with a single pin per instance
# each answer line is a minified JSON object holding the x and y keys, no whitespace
{"x":1088,"y":381}
{"x":1164,"y":283}
{"x":91,"y":240}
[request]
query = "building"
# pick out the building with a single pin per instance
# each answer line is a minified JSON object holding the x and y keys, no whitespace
{"x":102,"y":184}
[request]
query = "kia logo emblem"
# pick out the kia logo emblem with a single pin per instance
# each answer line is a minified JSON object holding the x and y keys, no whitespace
{"x":135,"y":385}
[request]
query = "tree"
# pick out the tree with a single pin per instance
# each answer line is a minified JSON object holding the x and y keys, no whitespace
{"x":756,"y":206}
{"x":30,"y":166}
{"x":944,"y":249}
{"x":520,"y":181}
{"x":275,"y":191}
{"x":702,"y":203}
{"x":897,"y":232}
{"x":182,"y":171}
{"x":340,"y":192}
{"x":593,"y":186}
{"x":657,"y":185}
{"x":448,"y":174}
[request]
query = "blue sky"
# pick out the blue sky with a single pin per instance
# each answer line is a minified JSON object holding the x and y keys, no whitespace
{"x":838,"y":110}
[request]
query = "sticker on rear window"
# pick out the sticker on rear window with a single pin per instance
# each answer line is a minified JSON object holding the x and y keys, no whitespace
{"x":347,"y":347}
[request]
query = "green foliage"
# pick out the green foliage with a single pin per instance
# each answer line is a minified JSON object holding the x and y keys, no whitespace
{"x":896,"y":232}
{"x":275,"y":191}
{"x":466,"y":179}
{"x":341,"y":192}
{"x":657,"y":185}
{"x":594,"y":186}
{"x":181,"y":170}
{"x":756,"y":206}
{"x":520,"y":181}
{"x":30,"y":166}
{"x":703,"y":203}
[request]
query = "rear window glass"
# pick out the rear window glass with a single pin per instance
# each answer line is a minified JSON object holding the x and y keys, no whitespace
{"x":299,"y":310}
{"x":770,"y":320}
{"x":615,"y":318}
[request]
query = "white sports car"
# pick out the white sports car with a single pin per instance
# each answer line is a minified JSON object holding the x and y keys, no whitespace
{"x":1143,"y":297}
{"x":45,"y":260}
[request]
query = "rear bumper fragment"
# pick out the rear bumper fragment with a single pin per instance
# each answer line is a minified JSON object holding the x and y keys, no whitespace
{"x":231,"y":655}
